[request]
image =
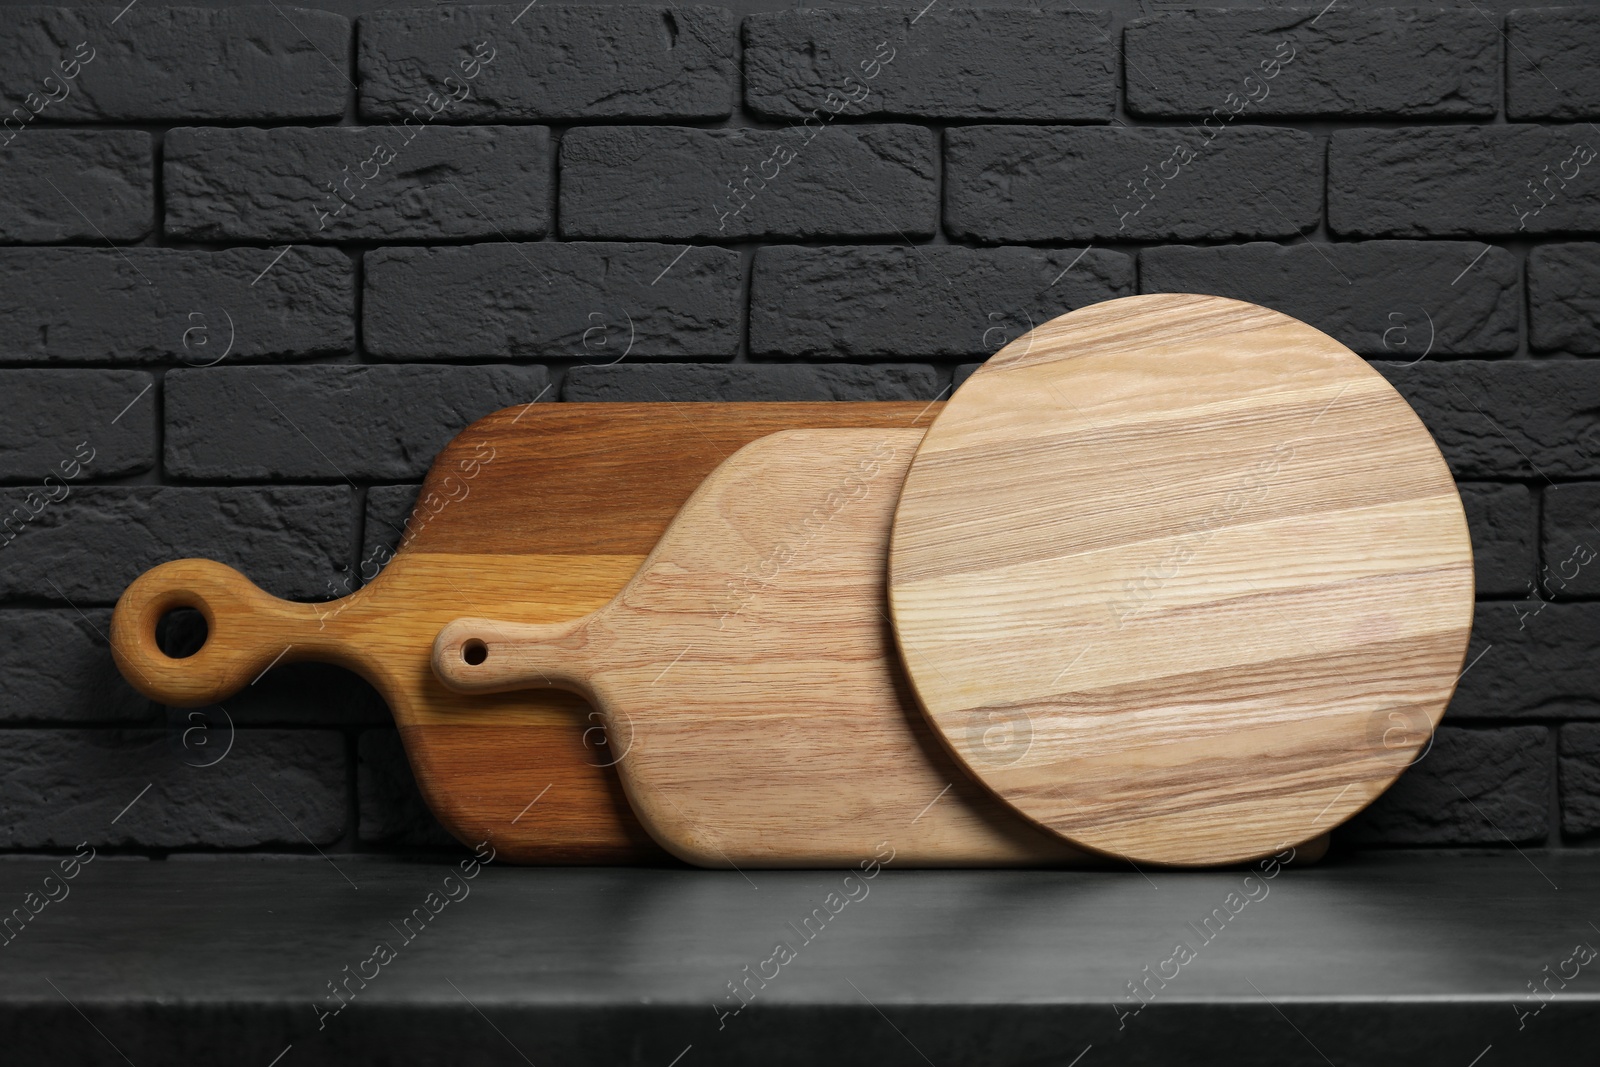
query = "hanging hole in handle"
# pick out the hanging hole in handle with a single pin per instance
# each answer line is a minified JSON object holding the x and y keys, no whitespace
{"x":181,"y":632}
{"x":474,"y":652}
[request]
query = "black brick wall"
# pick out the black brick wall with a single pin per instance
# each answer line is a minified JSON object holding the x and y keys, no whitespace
{"x":258,"y":263}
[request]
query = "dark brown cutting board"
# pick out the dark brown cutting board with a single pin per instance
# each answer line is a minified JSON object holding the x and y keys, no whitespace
{"x":538,"y":514}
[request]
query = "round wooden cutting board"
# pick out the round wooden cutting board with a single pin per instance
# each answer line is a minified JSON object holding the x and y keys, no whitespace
{"x":1181,"y":578}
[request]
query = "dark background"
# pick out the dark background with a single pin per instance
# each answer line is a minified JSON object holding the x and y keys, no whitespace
{"x":1381,"y":186}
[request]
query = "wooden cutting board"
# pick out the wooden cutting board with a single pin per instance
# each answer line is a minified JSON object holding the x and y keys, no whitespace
{"x":538,"y":514}
{"x":1181,"y":578}
{"x":751,"y":690}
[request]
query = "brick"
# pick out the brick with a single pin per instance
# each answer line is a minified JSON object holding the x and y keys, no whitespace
{"x":1550,"y":62}
{"x":1580,"y":779}
{"x":550,"y":63}
{"x":77,"y":185}
{"x":333,"y":422}
{"x":147,"y":304}
{"x":900,"y":302}
{"x":1397,"y":300}
{"x":1473,"y":787}
{"x":1077,"y":183}
{"x":671,"y":183}
{"x":185,"y":63}
{"x":1342,"y":63}
{"x":1571,"y":541}
{"x":389,"y":513}
{"x":287,"y":539}
{"x":291,"y":694}
{"x":745,"y":382}
{"x":984,"y":63}
{"x":1500,"y":518}
{"x":592,"y":301}
{"x":55,"y":666}
{"x":1564,"y":298}
{"x":392,"y":809}
{"x":1499,"y":419}
{"x":1462,"y":181}
{"x":1531,"y":659}
{"x":388,"y":508}
{"x":313,"y":184}
{"x":76,"y":424}
{"x":60,"y":787}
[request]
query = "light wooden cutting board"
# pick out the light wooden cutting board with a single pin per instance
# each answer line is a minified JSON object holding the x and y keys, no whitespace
{"x":752,"y":694}
{"x":538,"y":514}
{"x":1181,"y":578}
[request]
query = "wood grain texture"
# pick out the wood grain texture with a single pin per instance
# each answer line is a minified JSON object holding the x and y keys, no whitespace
{"x":749,"y":681}
{"x":535,"y":514}
{"x":1181,"y":578}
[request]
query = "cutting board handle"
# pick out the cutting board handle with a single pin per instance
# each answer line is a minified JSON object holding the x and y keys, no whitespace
{"x":486,"y":656}
{"x":247,"y":631}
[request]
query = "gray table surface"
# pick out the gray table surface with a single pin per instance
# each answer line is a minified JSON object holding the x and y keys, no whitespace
{"x":1381,"y":958}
